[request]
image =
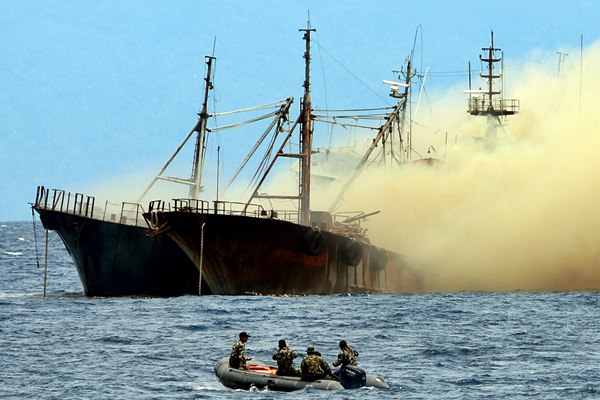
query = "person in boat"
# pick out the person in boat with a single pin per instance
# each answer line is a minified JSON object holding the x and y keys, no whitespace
{"x":347,"y":355}
{"x":314,"y":367}
{"x":285,"y":360}
{"x":236,"y":357}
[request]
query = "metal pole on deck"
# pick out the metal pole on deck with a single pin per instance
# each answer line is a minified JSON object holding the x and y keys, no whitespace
{"x":580,"y":70}
{"x":46,"y":264}
{"x":37,"y":254}
{"x":201,"y":259}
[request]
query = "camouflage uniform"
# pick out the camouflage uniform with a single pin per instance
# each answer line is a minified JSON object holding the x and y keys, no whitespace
{"x":346,"y":357}
{"x":285,"y":362}
{"x":314,"y":367}
{"x":236,"y":358}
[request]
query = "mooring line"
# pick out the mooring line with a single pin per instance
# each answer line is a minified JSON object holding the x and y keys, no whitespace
{"x":37,"y":255}
{"x":201,"y":258}
{"x":46,"y":264}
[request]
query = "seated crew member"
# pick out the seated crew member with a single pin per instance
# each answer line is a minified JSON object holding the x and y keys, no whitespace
{"x":236,"y":357}
{"x":347,"y":355}
{"x":314,"y":367}
{"x":285,"y":360}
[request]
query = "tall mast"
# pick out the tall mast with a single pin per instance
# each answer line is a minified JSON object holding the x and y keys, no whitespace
{"x":490,"y":102}
{"x":383,"y":131}
{"x":200,"y":128}
{"x":306,"y":134}
{"x":403,"y":119}
{"x":490,"y":76}
{"x":200,"y":149}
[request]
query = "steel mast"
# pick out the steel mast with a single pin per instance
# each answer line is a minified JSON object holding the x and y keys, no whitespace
{"x":489,"y":102}
{"x":306,"y":134}
{"x":200,"y":149}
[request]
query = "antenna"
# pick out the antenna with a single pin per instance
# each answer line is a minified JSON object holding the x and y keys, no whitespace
{"x":492,"y":103}
{"x":561,"y":60}
{"x":394,"y":87}
{"x":580,"y":69}
{"x":469,"y":75}
{"x":489,"y":102}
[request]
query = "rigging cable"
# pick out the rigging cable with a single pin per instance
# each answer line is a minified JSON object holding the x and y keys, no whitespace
{"x":46,"y":265}
{"x":463,"y":73}
{"x":324,"y":83}
{"x":260,"y":118}
{"x":356,"y":109}
{"x":352,"y":73}
{"x":261,"y":107}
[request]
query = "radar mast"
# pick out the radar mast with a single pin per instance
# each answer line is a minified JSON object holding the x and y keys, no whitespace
{"x":490,"y":102}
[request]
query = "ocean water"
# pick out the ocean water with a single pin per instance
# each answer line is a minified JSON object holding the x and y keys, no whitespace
{"x":426,"y":346}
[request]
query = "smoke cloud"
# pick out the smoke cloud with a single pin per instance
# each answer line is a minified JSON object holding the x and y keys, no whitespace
{"x":523,"y":217}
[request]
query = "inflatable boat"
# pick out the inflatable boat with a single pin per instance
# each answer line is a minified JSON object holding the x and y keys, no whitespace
{"x":264,"y":375}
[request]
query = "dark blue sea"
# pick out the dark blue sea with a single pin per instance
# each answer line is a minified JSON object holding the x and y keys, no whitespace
{"x":469,"y":345}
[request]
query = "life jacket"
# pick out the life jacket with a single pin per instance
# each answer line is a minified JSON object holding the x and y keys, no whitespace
{"x":312,"y":368}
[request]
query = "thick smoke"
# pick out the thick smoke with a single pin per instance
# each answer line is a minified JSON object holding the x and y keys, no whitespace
{"x":523,"y":217}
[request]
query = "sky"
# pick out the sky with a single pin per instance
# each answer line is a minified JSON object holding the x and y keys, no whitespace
{"x":96,"y":95}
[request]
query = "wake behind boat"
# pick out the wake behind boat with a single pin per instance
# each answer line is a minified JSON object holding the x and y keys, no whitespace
{"x":264,"y":375}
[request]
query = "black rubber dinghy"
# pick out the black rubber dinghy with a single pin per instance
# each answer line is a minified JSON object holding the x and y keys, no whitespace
{"x":263,"y":375}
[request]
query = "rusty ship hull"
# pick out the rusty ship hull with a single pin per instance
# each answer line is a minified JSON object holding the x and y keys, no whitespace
{"x":117,"y":259}
{"x":239,"y":254}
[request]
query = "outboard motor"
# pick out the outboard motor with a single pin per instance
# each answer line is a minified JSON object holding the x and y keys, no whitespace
{"x":352,"y":377}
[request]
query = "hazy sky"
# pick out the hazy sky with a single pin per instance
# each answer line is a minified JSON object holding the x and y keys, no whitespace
{"x":100,"y":93}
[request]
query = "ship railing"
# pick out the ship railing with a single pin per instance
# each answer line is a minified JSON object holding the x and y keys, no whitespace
{"x":59,"y":200}
{"x":253,"y":210}
{"x":219,"y":207}
{"x":349,"y":224}
{"x":238,"y":208}
{"x":189,"y":205}
{"x":349,"y":217}
{"x":124,"y":213}
{"x":159,"y":205}
{"x":85,"y":206}
{"x":223,"y":208}
{"x":286,"y":215}
{"x":479,"y":105}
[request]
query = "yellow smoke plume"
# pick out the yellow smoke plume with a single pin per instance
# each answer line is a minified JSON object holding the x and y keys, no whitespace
{"x":523,"y":217}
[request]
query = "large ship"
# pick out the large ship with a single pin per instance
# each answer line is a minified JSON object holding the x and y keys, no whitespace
{"x":111,"y":251}
{"x":109,"y":243}
{"x":242,"y":248}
